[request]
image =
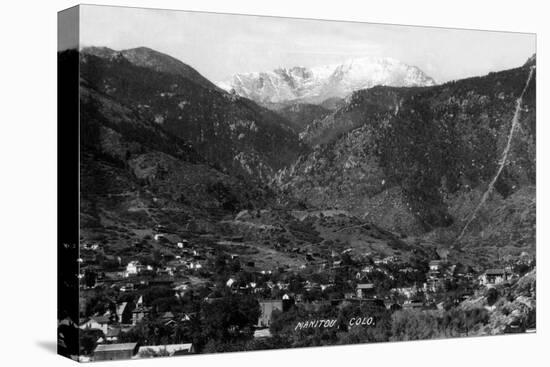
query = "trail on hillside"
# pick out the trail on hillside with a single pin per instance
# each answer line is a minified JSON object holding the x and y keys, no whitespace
{"x":502,"y":163}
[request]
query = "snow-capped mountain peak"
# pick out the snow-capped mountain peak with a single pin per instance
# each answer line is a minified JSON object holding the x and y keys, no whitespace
{"x":318,"y":83}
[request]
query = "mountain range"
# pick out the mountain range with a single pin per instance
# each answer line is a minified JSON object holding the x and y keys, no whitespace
{"x":417,"y":160}
{"x":373,"y":138}
{"x":316,"y":84}
{"x":231,"y":132}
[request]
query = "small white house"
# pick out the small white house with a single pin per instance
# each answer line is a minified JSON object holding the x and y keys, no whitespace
{"x":493,"y":277}
{"x":368,"y":269}
{"x":96,"y":323}
{"x":364,"y":290}
{"x":194,"y":265}
{"x":133,"y":268}
{"x":159,"y":236}
{"x":436,"y":265}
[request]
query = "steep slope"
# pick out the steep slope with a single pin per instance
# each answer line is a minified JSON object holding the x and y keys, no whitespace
{"x":232,"y":132}
{"x":314,"y":85}
{"x":146,"y":57}
{"x":366,"y":107}
{"x":419,"y":159}
{"x":135,"y":176}
{"x":302,"y":114}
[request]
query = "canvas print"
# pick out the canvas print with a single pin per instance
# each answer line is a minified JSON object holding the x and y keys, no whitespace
{"x":235,"y":183}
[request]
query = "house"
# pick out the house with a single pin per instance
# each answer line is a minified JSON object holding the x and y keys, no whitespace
{"x":266,"y":310}
{"x":140,"y":312}
{"x":120,"y":308}
{"x":97,"y":323}
{"x":194,"y":265}
{"x":133,"y":268}
{"x":434,"y":283}
{"x":262,"y":333}
{"x":389,"y":260}
{"x":111,"y":352}
{"x":368,"y":269}
{"x":365,"y":290}
{"x":494,"y":276}
{"x":407,"y":292}
{"x":112,"y":335}
{"x":168,"y":350}
{"x":167,"y":271}
{"x":90,"y":246}
{"x":127,"y":287}
{"x":436,"y":265}
{"x":435,"y":278}
{"x":159,"y":236}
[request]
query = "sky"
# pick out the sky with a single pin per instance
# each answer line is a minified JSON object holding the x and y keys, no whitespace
{"x":220,"y":45}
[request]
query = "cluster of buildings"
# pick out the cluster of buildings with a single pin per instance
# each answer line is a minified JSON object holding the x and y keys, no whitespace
{"x":110,"y":325}
{"x":273,"y":295}
{"x":111,"y":352}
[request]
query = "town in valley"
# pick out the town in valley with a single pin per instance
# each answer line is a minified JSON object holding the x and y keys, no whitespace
{"x":358,"y":201}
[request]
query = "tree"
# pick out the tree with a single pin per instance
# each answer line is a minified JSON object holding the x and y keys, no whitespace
{"x":492,"y":296}
{"x":414,"y":325}
{"x":230,"y":318}
{"x":88,"y":340}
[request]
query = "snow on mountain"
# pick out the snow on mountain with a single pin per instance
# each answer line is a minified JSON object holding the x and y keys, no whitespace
{"x":313,"y":85}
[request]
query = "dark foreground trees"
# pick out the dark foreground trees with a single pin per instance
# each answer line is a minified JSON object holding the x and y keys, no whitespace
{"x":218,"y":323}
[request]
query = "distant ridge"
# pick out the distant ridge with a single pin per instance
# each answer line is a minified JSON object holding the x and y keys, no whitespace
{"x":314,"y":85}
{"x":146,"y":57}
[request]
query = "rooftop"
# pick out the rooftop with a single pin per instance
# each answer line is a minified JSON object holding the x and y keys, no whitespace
{"x":100,"y":319}
{"x":170,"y":349}
{"x":365,"y":286}
{"x":262,"y":333}
{"x":113,"y":332}
{"x":115,"y":347}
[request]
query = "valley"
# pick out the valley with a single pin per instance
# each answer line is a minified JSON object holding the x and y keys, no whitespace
{"x":344,"y":189}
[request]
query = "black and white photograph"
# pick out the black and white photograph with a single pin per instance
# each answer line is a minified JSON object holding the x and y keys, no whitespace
{"x":246,"y":183}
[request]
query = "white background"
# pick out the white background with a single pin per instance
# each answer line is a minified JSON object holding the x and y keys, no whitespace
{"x":28,"y":182}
